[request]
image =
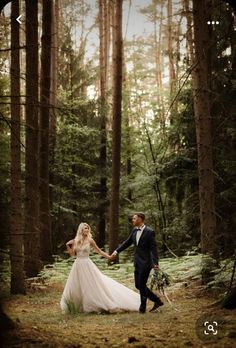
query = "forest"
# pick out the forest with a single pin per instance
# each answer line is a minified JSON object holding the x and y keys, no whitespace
{"x":108,"y":108}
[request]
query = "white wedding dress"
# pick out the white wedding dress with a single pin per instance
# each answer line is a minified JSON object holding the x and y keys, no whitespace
{"x":89,"y":290}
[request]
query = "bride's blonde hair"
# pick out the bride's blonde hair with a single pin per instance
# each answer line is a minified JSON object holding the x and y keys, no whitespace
{"x":79,"y":236}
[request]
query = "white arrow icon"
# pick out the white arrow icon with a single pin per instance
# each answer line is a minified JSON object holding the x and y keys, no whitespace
{"x":18,"y":19}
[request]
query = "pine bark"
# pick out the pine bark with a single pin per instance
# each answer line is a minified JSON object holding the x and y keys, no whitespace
{"x":53,"y":96}
{"x":177,"y":55}
{"x":45,"y":219}
{"x":16,"y":223}
{"x":31,"y":240}
{"x":158,"y":62}
{"x":116,"y":123}
{"x":189,"y":33}
{"x":203,"y":122}
{"x":103,"y":58}
{"x":127,"y":128}
{"x":170,"y":49}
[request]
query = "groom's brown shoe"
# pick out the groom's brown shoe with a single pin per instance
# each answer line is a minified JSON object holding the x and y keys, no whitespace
{"x":156,"y":305}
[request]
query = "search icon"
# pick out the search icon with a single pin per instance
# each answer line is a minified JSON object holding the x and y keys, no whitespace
{"x":211,"y":328}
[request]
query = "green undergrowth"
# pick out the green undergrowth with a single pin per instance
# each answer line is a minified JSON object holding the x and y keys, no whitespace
{"x":178,"y":269}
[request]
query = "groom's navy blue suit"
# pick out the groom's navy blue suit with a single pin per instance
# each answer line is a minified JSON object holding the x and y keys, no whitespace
{"x":145,"y":257}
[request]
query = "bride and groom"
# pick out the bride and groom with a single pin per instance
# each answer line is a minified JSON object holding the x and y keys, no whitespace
{"x":89,"y":290}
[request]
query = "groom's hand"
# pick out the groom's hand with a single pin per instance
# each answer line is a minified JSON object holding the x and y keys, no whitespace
{"x":156,"y":266}
{"x":113,"y":255}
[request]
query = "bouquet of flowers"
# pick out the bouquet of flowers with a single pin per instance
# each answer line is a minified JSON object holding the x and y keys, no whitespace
{"x":159,"y":280}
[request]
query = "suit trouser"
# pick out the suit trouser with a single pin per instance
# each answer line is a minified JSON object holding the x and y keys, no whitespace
{"x":141,"y":278}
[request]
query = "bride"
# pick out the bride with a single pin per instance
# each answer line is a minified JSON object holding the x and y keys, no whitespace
{"x":89,"y":290}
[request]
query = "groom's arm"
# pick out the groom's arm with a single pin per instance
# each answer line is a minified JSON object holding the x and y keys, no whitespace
{"x":153,"y":247}
{"x":124,"y":245}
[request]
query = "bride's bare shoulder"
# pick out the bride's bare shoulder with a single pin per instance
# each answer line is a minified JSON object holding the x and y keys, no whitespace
{"x":70,"y":242}
{"x":91,"y":241}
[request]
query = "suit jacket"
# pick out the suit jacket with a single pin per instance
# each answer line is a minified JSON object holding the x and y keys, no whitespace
{"x":145,"y":255}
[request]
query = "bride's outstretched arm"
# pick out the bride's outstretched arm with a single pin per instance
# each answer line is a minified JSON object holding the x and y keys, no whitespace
{"x":70,"y":247}
{"x":98,"y":250}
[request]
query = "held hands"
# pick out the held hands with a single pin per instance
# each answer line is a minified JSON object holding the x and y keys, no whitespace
{"x":110,"y":257}
{"x":113,"y":256}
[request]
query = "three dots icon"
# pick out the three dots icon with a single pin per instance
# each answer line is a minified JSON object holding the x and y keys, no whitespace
{"x":213,"y":22}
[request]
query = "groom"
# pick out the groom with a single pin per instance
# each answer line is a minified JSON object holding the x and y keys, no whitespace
{"x":145,"y":258}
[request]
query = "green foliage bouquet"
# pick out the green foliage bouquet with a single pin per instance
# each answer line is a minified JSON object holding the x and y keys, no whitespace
{"x":159,"y":280}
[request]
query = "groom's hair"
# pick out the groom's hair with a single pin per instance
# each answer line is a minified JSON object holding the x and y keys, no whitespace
{"x":141,"y":215}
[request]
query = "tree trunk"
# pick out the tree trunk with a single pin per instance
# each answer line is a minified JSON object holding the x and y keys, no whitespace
{"x":53,"y":95}
{"x":127,"y":127}
{"x":45,"y":219}
{"x":31,"y":241}
{"x":230,"y":300}
{"x":170,"y":50}
{"x":157,"y":57}
{"x":116,"y":124}
{"x":16,"y":226}
{"x":157,"y":189}
{"x":189,"y":33}
{"x":158,"y":62}
{"x":200,"y":75}
{"x":53,"y":100}
{"x":177,"y":58}
{"x":103,"y":56}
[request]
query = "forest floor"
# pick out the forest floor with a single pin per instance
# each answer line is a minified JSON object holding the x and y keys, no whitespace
{"x":40,"y":322}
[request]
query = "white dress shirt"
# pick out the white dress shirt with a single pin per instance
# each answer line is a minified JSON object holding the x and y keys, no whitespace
{"x":139,"y":233}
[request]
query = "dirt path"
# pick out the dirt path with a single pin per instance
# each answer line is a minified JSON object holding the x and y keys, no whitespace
{"x":41,"y":324}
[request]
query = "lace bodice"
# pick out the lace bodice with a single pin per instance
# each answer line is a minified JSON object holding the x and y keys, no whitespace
{"x":83,"y":251}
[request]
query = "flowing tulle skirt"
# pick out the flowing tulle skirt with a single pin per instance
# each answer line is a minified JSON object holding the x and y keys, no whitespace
{"x":89,"y":290}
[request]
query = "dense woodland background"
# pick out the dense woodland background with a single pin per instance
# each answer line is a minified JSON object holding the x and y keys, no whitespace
{"x":95,"y":125}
